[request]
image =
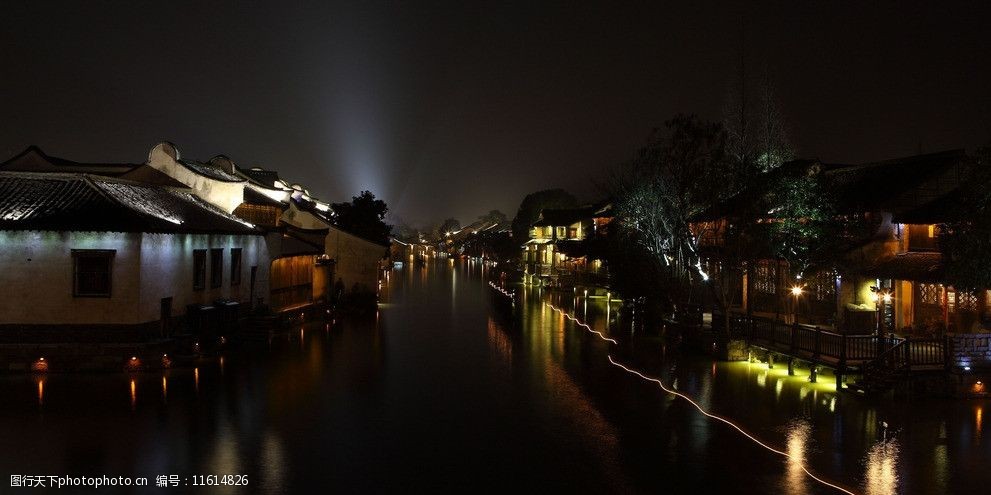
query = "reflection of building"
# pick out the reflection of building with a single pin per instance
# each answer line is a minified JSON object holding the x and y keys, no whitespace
{"x":565,"y":245}
{"x":411,"y":251}
{"x":902,"y":202}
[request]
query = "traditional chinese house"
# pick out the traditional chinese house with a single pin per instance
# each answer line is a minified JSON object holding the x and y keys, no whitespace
{"x":565,"y":243}
{"x":96,"y":258}
{"x":890,"y":280}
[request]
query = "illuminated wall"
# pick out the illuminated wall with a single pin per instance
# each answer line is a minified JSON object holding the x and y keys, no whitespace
{"x":357,"y":259}
{"x":37,"y":278}
{"x":224,"y":195}
{"x":37,"y":270}
{"x":167,"y":270}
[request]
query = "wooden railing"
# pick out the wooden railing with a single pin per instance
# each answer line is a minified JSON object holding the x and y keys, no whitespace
{"x":808,"y":340}
{"x":927,"y":352}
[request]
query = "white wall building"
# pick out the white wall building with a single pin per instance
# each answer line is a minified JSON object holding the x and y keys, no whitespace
{"x":97,"y":258}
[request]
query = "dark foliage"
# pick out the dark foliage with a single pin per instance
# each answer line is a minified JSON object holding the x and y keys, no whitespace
{"x":966,"y":241}
{"x":364,"y":216}
{"x":533,"y":204}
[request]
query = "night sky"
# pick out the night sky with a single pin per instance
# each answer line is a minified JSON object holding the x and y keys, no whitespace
{"x":455,"y":109}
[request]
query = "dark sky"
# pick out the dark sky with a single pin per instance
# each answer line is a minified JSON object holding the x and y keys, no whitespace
{"x":457,"y":108}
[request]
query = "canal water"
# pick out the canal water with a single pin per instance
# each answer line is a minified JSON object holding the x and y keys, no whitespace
{"x":451,"y":387}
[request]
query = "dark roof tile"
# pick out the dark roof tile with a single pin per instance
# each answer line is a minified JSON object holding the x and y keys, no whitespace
{"x":78,"y":202}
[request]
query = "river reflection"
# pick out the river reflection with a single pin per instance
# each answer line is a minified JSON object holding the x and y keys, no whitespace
{"x":450,"y":387}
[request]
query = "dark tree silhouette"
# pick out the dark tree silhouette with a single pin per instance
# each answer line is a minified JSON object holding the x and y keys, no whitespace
{"x":449,"y":225}
{"x":533,"y":204}
{"x":966,"y":240}
{"x":364,"y":216}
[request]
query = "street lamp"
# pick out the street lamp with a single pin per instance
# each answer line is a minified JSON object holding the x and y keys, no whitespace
{"x":796,"y":291}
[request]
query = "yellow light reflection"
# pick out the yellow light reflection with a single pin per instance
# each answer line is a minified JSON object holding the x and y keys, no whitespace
{"x":797,"y":445}
{"x":733,"y":425}
{"x":881,"y":474}
{"x":978,"y":421}
{"x":582,"y":324}
{"x":41,"y":390}
{"x":134,"y":394}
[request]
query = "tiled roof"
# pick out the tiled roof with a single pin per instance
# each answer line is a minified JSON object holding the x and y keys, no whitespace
{"x":296,"y":240}
{"x":260,"y":176}
{"x":914,"y":266}
{"x":891,"y":185}
{"x":946,"y":208}
{"x":885,"y":185}
{"x":146,"y":174}
{"x":254,"y":197}
{"x":78,"y":202}
{"x":563,"y":217}
{"x":33,"y":159}
{"x":210,"y":171}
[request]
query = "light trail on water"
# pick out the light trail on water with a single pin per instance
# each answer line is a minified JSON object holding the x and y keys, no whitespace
{"x":502,"y":291}
{"x":798,"y":461}
{"x":582,"y":324}
{"x":743,"y":432}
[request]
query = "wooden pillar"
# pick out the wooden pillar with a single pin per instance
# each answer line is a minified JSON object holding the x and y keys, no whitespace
{"x":791,"y":366}
{"x":841,"y":368}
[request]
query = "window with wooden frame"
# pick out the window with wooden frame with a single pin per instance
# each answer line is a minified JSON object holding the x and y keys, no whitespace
{"x":931,"y":294}
{"x":766,"y":278}
{"x":199,"y":269}
{"x":216,"y":268}
{"x":92,"y":272}
{"x":235,"y":266}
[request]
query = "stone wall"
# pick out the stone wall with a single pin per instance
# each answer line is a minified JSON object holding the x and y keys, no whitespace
{"x":970,"y":349}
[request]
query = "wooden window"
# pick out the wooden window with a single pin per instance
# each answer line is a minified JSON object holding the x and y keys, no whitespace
{"x":267,"y":216}
{"x":92,"y":272}
{"x":572,"y":233}
{"x":932,"y":231}
{"x":931,"y":294}
{"x":765,"y":280}
{"x":216,"y":268}
{"x":235,"y":266}
{"x":822,"y":286}
{"x":967,"y":301}
{"x":199,"y":269}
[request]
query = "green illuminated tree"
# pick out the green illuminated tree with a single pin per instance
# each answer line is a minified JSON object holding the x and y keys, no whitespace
{"x":684,"y":171}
